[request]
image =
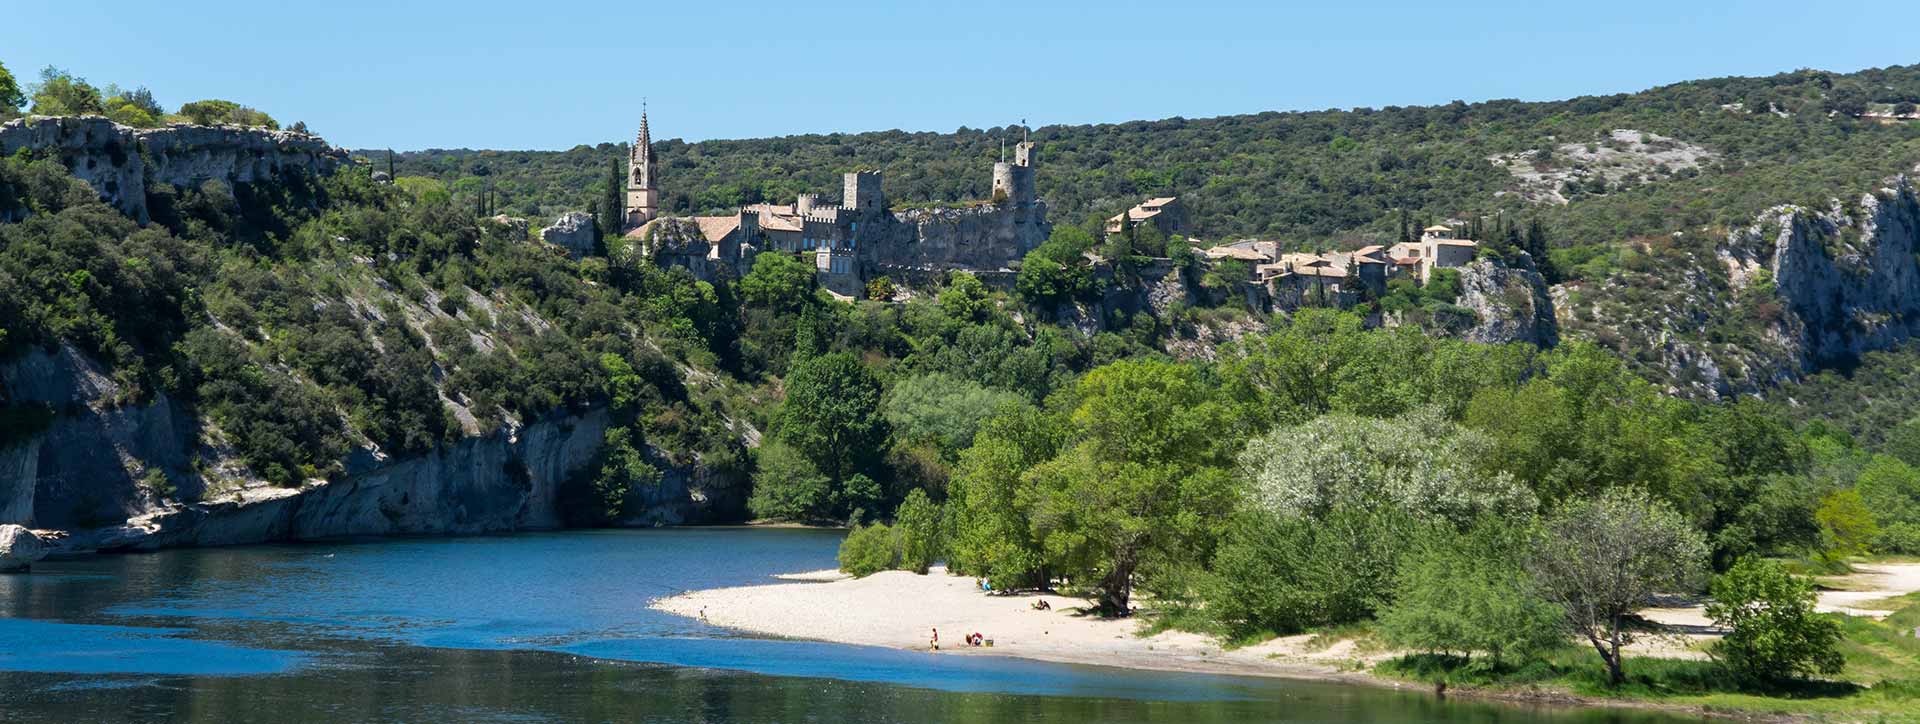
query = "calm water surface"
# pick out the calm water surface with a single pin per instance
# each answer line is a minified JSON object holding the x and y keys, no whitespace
{"x":550,"y":627}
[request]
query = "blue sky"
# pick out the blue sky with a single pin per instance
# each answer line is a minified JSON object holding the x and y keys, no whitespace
{"x":554,"y":74}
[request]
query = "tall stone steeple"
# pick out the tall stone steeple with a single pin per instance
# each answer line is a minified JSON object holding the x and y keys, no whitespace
{"x":643,"y":194}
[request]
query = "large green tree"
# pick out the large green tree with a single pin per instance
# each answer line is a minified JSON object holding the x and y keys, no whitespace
{"x":832,"y":415}
{"x":1145,"y":481}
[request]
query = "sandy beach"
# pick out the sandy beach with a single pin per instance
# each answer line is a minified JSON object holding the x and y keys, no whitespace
{"x":899,"y":609}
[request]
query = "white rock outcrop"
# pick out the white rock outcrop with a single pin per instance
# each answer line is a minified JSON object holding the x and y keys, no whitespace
{"x":573,"y":231}
{"x":119,"y":161}
{"x":19,"y":548}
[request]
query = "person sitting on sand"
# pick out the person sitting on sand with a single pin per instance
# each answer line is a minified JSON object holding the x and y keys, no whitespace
{"x":1042,"y":605}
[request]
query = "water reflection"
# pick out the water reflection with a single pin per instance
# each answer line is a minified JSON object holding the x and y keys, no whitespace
{"x":548,"y":627}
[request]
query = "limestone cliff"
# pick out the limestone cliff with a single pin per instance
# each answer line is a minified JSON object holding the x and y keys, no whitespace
{"x":1510,"y":302}
{"x":122,"y":162}
{"x":983,"y":237}
{"x":92,"y":476}
{"x":1796,"y":291}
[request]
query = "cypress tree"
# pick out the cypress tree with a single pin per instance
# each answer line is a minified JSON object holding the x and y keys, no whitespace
{"x":612,"y":202}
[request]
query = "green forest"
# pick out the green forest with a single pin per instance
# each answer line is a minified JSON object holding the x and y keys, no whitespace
{"x":1449,"y":497}
{"x":1305,"y":178}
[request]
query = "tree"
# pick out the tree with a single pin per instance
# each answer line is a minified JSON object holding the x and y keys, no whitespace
{"x":1600,"y":558}
{"x":624,"y":469}
{"x":59,"y":93}
{"x":1537,"y":247}
{"x":216,"y":111}
{"x":993,"y":533}
{"x":917,"y":522}
{"x":832,"y":415}
{"x":1145,"y":480}
{"x":613,"y":216}
{"x":1773,"y":633}
{"x":787,"y":486}
{"x":943,"y":408}
{"x":1338,"y":460}
{"x":868,"y":550}
{"x":1846,"y":525}
{"x":135,"y":108}
{"x":965,"y":300}
{"x":881,"y":289}
{"x":1468,"y":592}
{"x":778,"y":282}
{"x":11,"y":99}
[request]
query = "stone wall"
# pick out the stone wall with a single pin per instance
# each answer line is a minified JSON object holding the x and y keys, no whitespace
{"x":119,"y":161}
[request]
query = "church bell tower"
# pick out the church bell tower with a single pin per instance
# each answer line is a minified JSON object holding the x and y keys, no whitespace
{"x":643,"y":194}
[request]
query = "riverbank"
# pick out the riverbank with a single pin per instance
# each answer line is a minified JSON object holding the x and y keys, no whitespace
{"x":900,"y":610}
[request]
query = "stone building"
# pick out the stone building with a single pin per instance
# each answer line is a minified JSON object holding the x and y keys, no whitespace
{"x":849,"y":241}
{"x":1436,"y":249}
{"x":1165,"y":213}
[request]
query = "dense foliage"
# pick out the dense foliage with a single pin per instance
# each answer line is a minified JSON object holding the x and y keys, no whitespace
{"x":1309,"y":176}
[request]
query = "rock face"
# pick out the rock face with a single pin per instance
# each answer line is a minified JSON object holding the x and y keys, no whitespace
{"x":19,"y":548}
{"x":979,"y":237}
{"x":573,"y":231}
{"x":83,"y":474}
{"x":120,"y":161}
{"x":1510,"y":302}
{"x":1797,"y":291}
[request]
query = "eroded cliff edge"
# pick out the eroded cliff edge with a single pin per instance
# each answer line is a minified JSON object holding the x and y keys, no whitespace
{"x":116,"y":468}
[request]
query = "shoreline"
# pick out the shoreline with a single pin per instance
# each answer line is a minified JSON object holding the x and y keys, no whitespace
{"x":899,"y":610}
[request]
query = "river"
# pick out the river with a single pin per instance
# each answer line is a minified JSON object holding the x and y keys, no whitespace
{"x":544,"y":627}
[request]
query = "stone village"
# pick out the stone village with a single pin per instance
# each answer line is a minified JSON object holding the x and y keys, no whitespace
{"x":861,"y":237}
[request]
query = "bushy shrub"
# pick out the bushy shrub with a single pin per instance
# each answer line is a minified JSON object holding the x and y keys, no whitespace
{"x":1773,"y":633}
{"x":870,"y":549}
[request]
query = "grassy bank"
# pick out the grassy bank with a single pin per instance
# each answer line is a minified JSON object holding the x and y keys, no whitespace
{"x":1881,"y":681}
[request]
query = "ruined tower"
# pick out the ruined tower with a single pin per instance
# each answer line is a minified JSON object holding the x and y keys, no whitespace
{"x":643,"y":194}
{"x":1013,"y":182}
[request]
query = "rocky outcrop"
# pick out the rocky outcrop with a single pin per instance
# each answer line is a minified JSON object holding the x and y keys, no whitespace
{"x":1847,"y":277}
{"x":1797,"y":291}
{"x":509,"y":480}
{"x":976,"y":237}
{"x":513,"y":227}
{"x":87,"y":466}
{"x":1510,"y":302}
{"x":120,"y":161}
{"x":89,"y":474}
{"x":19,"y":548}
{"x":574,"y":232}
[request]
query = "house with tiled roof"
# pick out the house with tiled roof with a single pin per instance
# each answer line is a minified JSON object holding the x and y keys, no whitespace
{"x":1165,"y":213}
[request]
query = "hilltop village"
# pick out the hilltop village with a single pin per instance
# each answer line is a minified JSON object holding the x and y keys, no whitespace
{"x":861,"y":237}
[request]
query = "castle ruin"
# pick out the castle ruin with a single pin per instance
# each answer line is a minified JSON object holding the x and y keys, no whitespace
{"x":848,"y":242}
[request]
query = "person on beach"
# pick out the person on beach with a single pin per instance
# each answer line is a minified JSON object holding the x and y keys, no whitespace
{"x":934,"y":645}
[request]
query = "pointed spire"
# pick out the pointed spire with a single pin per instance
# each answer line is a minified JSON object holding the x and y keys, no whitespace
{"x":645,"y":139}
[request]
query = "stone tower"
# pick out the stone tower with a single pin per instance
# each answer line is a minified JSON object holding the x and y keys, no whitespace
{"x":643,"y":194}
{"x":861,"y":192}
{"x":1013,"y":182}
